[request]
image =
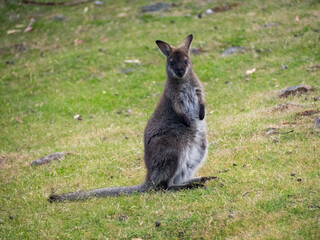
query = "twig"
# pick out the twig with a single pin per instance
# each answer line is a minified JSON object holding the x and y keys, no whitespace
{"x":245,"y":194}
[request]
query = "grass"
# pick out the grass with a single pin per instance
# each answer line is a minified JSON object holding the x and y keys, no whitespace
{"x":47,"y":78}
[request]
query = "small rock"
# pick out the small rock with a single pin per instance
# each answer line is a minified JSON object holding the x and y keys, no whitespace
{"x":47,"y":159}
{"x":127,"y":70}
{"x":181,"y":234}
{"x":269,"y":25}
{"x":122,"y":217}
{"x":317,"y":122}
{"x":316,"y":98}
{"x":155,"y":7}
{"x":158,"y":224}
{"x":219,"y":9}
{"x":298,"y":34}
{"x":209,"y":11}
{"x":98,"y":3}
{"x":271,"y":131}
{"x":294,"y":90}
{"x":58,"y":18}
{"x":232,"y":50}
{"x":10,"y":62}
{"x":292,"y":174}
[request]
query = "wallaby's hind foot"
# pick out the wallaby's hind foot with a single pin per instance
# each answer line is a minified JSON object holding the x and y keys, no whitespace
{"x":192,"y":183}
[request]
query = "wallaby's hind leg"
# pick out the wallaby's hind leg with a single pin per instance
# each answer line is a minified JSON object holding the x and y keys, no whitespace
{"x":162,"y":163}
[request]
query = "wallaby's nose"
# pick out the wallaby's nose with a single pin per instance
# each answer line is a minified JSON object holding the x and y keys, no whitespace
{"x":180,"y":73}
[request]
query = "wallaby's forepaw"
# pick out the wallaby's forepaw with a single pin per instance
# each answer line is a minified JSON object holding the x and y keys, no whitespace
{"x":202,"y":112}
{"x":185,"y":120}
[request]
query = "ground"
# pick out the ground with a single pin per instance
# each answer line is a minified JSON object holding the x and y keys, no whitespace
{"x":72,"y":62}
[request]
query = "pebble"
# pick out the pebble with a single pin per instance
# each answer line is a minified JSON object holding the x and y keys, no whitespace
{"x":158,"y":224}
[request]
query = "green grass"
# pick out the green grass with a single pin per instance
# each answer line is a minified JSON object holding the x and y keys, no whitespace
{"x":46,"y":79}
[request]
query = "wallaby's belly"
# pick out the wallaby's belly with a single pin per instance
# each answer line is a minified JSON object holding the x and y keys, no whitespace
{"x":195,"y":149}
{"x":193,"y":154}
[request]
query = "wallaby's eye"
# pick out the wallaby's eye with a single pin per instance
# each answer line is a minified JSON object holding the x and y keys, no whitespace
{"x":186,"y":61}
{"x":171,"y":63}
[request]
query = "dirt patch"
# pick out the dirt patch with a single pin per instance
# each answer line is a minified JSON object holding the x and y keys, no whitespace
{"x":308,"y":113}
{"x":293,"y":90}
{"x":17,"y":48}
{"x":314,"y":68}
{"x":8,"y":160}
{"x":284,"y":107}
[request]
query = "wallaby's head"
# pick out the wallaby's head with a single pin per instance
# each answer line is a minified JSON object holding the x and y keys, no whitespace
{"x":178,"y":59}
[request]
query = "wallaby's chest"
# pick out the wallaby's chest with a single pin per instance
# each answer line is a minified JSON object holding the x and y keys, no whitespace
{"x":189,"y":100}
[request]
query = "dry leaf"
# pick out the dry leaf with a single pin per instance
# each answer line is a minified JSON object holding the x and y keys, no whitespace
{"x":13,"y":31}
{"x":104,"y":39}
{"x":133,"y":61}
{"x":121,"y":15}
{"x":77,"y":117}
{"x":19,"y":120}
{"x":29,"y":27}
{"x":248,"y":72}
{"x":78,"y":42}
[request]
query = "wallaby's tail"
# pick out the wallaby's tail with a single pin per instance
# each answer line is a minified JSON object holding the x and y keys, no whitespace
{"x":98,"y":193}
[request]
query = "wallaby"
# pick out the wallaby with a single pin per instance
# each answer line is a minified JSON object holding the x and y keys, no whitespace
{"x":175,"y":141}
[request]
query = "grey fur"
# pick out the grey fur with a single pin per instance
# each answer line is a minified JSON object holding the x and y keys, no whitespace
{"x":175,"y":141}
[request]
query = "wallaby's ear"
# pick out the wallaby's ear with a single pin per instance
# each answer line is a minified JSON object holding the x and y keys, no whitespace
{"x":186,"y":43}
{"x":165,"y":48}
